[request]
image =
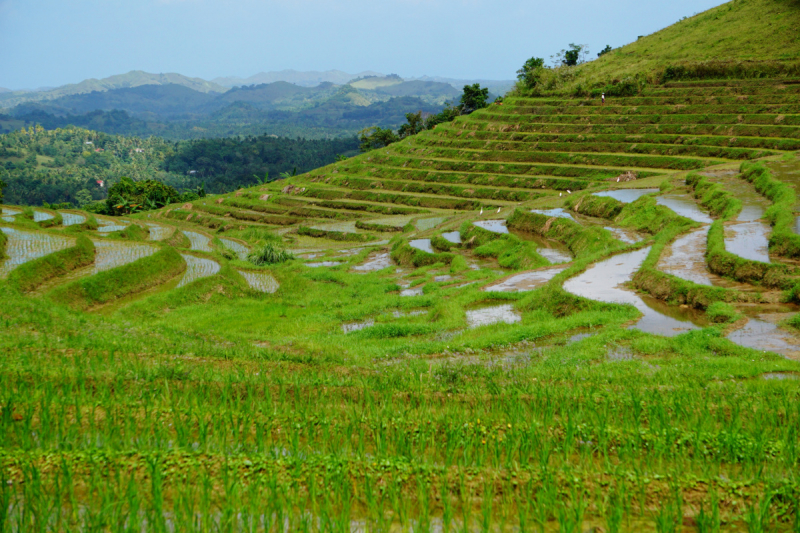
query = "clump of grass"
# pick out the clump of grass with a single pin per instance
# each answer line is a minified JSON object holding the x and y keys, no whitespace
{"x":269,"y":254}
{"x":722,"y":313}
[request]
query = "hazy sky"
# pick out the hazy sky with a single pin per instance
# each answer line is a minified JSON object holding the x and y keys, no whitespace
{"x":53,"y":42}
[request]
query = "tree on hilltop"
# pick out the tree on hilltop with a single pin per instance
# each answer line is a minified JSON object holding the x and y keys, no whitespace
{"x":474,"y":98}
{"x":531,"y":72}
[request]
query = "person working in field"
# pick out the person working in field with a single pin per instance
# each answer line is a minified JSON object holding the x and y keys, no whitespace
{"x":603,"y":98}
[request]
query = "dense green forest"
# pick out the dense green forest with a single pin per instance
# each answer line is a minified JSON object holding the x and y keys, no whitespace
{"x":78,"y":166}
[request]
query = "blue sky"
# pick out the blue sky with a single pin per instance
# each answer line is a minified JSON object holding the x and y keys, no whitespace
{"x":54,"y":42}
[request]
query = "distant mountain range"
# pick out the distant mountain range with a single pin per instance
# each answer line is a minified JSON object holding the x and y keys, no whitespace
{"x":312,"y":104}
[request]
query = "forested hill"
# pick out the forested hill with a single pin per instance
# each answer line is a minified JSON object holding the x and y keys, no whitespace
{"x":69,"y":164}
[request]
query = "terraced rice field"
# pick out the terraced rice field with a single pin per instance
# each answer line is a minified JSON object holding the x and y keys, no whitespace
{"x":41,"y":216}
{"x":197,"y":268}
{"x":599,"y":355}
{"x":24,"y":246}
{"x":159,"y":232}
{"x":72,"y":219}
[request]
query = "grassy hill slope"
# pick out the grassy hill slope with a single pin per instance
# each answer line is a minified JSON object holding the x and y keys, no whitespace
{"x":738,"y":31}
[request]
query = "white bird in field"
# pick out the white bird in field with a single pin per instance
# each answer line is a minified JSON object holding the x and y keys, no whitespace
{"x":481,"y":211}
{"x":498,"y":209}
{"x":559,"y":194}
{"x":617,"y":180}
{"x":569,"y":191}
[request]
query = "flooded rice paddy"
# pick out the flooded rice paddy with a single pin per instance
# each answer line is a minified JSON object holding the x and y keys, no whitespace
{"x":412,"y":292}
{"x":343,"y":227}
{"x":625,"y":235}
{"x":375,"y":262}
{"x":452,"y":236}
{"x":749,"y":240}
{"x":107,"y":225}
{"x":429,"y":223}
{"x":260,"y":281}
{"x":685,"y":257}
{"x":24,"y":246}
{"x":41,"y":216}
{"x":495,"y":226}
{"x":492,"y":314}
{"x":72,"y":219}
{"x":603,"y":282}
{"x":685,"y":206}
{"x":557,"y":213}
{"x":526,"y":281}
{"x":112,"y":254}
{"x":765,"y":336}
{"x":199,"y":242}
{"x":238,"y":248}
{"x":357,"y":326}
{"x":158,"y":232}
{"x":422,"y":244}
{"x":324,"y":264}
{"x":197,"y":268}
{"x":625,"y":196}
{"x":9,"y":211}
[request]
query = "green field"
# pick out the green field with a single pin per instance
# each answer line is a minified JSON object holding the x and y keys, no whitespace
{"x":549,"y":315}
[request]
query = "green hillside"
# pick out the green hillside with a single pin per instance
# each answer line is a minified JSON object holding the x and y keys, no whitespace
{"x":729,"y":38}
{"x":551,"y":314}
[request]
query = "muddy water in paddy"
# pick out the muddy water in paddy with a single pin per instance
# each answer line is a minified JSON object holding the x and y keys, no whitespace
{"x":324,"y":264}
{"x":199,"y":242}
{"x":72,"y":219}
{"x":526,"y":281}
{"x":625,"y":196}
{"x":452,"y":236}
{"x":375,"y":262}
{"x":685,"y":206}
{"x":260,"y":281}
{"x":492,"y":314}
{"x":553,"y":251}
{"x":765,"y":336}
{"x":357,"y":326}
{"x":422,"y":244}
{"x":602,"y":282}
{"x":23,"y":246}
{"x":749,"y":236}
{"x":495,"y":226}
{"x":240,"y":249}
{"x":625,"y":235}
{"x":685,"y":257}
{"x":197,"y":268}
{"x":344,"y":227}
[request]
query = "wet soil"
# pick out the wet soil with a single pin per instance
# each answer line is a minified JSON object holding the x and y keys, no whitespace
{"x":199,"y":242}
{"x":625,"y":196}
{"x":422,"y":244}
{"x":24,"y":246}
{"x":603,"y":282}
{"x":238,"y":248}
{"x":492,"y":314}
{"x":260,"y":281}
{"x":553,"y":251}
{"x":685,"y":257}
{"x":685,"y":206}
{"x":197,"y":268}
{"x":749,"y":240}
{"x":625,"y":235}
{"x":324,"y":264}
{"x":375,"y":262}
{"x":526,"y":281}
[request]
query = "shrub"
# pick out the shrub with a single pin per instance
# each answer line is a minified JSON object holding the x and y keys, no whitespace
{"x":268,"y":254}
{"x":721,"y":313}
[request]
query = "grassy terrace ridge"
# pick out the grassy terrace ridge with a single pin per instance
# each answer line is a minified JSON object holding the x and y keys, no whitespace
{"x":421,"y":359}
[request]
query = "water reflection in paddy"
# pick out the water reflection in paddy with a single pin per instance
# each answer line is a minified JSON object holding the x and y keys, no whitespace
{"x":375,"y":262}
{"x":422,"y":244}
{"x":526,"y":281}
{"x":429,"y":223}
{"x":685,"y":257}
{"x":625,"y":196}
{"x":765,"y":336}
{"x":625,"y":235}
{"x":495,"y":226}
{"x":41,"y":216}
{"x":557,"y":213}
{"x":452,"y":236}
{"x":158,"y":232}
{"x":749,"y":240}
{"x":683,"y":205}
{"x":603,"y":282}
